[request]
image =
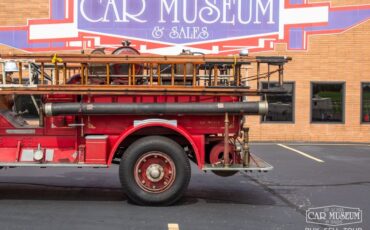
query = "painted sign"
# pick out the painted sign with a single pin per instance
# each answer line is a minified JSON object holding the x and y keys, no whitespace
{"x":180,"y":21}
{"x":168,"y":26}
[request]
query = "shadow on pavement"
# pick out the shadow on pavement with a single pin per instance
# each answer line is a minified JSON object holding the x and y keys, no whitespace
{"x":11,"y":191}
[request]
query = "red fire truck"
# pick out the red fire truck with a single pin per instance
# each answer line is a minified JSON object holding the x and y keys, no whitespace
{"x":150,"y":114}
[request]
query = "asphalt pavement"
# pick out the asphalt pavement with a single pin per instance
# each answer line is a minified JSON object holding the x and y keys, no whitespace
{"x":305,"y":176}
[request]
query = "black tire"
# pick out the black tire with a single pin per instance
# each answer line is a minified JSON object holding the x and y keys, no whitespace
{"x":140,"y":149}
{"x":225,"y":173}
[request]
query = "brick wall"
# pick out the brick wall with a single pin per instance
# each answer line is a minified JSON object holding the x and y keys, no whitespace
{"x":16,"y":13}
{"x":344,"y":57}
{"x":341,"y":57}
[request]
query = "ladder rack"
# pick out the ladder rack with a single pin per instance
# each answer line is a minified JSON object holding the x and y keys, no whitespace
{"x":135,"y":74}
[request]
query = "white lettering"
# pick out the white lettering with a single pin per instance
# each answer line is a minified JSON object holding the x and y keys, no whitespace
{"x":185,"y":11}
{"x":240,"y":10}
{"x":172,"y":7}
{"x":212,"y":10}
{"x":316,"y":215}
{"x":187,"y":32}
{"x":311,"y":215}
{"x":111,"y":3}
{"x":134,"y":17}
{"x":227,"y":7}
{"x":232,"y":12}
{"x":260,"y":6}
{"x":83,"y":13}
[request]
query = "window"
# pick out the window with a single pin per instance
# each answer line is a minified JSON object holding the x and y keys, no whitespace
{"x":365,"y":102}
{"x":327,"y":102}
{"x":280,"y":105}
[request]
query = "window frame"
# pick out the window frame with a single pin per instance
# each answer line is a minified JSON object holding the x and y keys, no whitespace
{"x":362,"y":103}
{"x":343,"y":83}
{"x":293,"y":104}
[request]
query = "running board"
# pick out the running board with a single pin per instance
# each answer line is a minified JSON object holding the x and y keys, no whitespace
{"x":53,"y":165}
{"x":256,"y":165}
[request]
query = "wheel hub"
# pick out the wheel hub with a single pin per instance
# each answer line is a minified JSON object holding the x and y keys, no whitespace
{"x":155,"y":172}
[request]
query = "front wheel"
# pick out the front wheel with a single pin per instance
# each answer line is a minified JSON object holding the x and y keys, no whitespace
{"x":154,"y":170}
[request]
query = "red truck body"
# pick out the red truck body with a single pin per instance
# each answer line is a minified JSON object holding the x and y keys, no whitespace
{"x":149,"y":114}
{"x":65,"y":136}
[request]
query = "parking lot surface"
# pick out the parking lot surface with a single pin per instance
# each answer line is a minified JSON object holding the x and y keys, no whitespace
{"x":304,"y":176}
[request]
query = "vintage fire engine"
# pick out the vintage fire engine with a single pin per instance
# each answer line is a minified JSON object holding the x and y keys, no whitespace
{"x":150,"y":114}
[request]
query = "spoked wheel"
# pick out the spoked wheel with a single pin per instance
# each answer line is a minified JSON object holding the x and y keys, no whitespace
{"x":154,"y":171}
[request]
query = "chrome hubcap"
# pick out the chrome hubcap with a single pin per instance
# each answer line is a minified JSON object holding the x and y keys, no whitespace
{"x":154,"y":172}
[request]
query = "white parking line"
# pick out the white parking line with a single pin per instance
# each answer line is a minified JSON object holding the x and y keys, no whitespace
{"x":302,"y":153}
{"x":324,"y":144}
{"x":309,"y":144}
{"x":173,"y":227}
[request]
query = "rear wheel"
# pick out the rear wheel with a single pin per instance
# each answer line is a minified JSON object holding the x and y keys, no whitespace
{"x":154,"y":170}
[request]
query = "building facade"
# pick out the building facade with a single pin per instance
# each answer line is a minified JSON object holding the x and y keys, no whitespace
{"x":328,"y":81}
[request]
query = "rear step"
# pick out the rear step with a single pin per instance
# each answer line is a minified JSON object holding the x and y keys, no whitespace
{"x":256,"y":164}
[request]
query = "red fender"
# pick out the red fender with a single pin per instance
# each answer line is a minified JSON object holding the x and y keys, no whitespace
{"x":197,"y":142}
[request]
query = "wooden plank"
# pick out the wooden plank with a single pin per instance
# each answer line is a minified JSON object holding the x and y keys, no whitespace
{"x":92,"y":58}
{"x":133,"y":74}
{"x":238,"y":76}
{"x":108,"y":74}
{"x":86,"y":74}
{"x":172,"y":74}
{"x":127,"y":90}
{"x":185,"y":73}
{"x":20,"y":72}
{"x":194,"y":74}
{"x":64,"y":73}
{"x":129,"y":74}
{"x":42,"y":70}
{"x":56,"y":72}
{"x":215,"y":75}
{"x":82,"y":74}
{"x":143,"y":61}
{"x":151,"y":73}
